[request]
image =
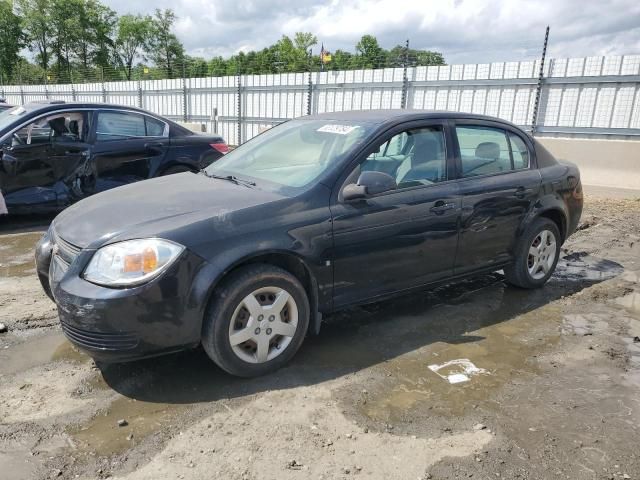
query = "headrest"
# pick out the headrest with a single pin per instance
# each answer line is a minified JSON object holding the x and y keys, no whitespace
{"x":57,"y":125}
{"x":425,"y":148}
{"x":489,"y":150}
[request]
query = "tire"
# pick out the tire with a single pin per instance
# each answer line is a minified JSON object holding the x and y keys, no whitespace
{"x":176,"y":169}
{"x":257,"y":288}
{"x":530,"y":270}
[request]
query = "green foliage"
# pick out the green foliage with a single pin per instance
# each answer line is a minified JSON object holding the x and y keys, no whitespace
{"x":84,"y":40}
{"x":11,"y":40}
{"x":132,"y":37}
{"x":164,"y":47}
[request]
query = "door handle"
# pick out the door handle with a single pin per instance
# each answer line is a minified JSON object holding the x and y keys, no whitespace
{"x":153,"y":146}
{"x":440,"y":207}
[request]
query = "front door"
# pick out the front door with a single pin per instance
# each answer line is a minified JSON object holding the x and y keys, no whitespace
{"x":41,"y":161}
{"x":403,"y":238}
{"x":498,"y":188}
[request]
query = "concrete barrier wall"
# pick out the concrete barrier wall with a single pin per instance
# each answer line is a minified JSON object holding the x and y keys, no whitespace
{"x":606,"y":163}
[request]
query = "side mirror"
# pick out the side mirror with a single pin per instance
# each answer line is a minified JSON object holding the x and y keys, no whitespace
{"x":369,"y":183}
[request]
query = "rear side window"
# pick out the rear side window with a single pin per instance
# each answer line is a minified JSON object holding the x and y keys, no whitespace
{"x":520,"y":152}
{"x":123,"y":125}
{"x":489,"y":150}
{"x":483,"y":150}
{"x":155,"y":128}
{"x":119,"y":126}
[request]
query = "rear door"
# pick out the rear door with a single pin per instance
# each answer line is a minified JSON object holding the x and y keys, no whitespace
{"x":128,"y":147}
{"x":498,"y":185}
{"x":403,"y":238}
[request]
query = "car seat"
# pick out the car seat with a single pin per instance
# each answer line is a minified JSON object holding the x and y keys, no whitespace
{"x":426,"y":161}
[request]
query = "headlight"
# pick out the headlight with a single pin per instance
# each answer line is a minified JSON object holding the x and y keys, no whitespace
{"x":131,"y":262}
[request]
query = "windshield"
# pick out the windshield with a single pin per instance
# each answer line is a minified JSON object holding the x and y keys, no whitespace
{"x":292,"y":154}
{"x":7,"y":117}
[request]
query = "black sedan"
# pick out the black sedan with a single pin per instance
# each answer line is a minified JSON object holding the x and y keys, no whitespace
{"x":53,"y":153}
{"x":310,"y":217}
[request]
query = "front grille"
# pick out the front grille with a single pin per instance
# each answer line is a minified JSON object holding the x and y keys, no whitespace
{"x":65,"y":250}
{"x":99,"y":341}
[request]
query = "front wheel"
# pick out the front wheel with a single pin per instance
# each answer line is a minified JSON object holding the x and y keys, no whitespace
{"x":536,"y":255}
{"x":256,"y":321}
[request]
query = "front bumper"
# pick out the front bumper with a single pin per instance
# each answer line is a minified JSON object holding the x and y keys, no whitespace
{"x":125,"y":323}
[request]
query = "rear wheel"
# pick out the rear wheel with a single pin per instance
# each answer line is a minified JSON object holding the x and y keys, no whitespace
{"x":536,"y":256}
{"x":256,"y":321}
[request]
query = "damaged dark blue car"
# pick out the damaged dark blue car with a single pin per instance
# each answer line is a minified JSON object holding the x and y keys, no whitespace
{"x":54,"y":153}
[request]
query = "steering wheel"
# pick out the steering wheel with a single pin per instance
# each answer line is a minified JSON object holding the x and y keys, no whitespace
{"x":17,"y":138}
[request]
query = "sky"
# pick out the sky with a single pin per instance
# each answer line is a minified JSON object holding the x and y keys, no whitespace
{"x":464,"y":31}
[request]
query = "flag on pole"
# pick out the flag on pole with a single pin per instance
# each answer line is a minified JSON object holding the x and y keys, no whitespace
{"x":325,"y":55}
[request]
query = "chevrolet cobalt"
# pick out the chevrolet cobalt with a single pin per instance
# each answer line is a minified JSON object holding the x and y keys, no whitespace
{"x":312,"y":216}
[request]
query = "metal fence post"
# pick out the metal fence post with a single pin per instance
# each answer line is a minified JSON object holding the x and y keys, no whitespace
{"x":405,"y":79}
{"x":239,"y":107}
{"x":536,"y":105}
{"x":140,"y":94}
{"x":309,"y":95}
{"x":185,"y":108}
{"x":21,"y":95}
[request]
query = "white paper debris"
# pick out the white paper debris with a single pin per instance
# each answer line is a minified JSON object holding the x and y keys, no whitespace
{"x":339,"y":129}
{"x":456,"y":371}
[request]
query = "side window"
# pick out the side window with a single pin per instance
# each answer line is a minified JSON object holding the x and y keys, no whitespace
{"x":56,"y":128}
{"x":520,"y":152}
{"x":119,"y":126}
{"x":414,"y":157}
{"x":155,"y":128}
{"x":483,"y":150}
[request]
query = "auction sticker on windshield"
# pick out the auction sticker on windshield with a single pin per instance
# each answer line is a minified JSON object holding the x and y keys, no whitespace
{"x":339,"y":129}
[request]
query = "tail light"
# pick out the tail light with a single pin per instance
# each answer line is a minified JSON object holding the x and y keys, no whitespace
{"x":222,"y":147}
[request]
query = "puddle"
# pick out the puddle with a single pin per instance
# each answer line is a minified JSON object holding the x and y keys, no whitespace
{"x":104,"y":436}
{"x":582,"y":267}
{"x":38,"y":351}
{"x":456,"y":371}
{"x":502,"y":334}
{"x":17,"y":254}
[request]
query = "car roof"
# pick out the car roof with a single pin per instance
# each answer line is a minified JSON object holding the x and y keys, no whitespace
{"x":53,"y":105}
{"x":402,"y":115}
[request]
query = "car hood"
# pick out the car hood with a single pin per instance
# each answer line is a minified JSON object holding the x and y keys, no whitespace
{"x":153,"y":208}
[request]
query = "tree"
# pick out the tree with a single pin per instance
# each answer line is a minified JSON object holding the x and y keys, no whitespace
{"x":95,"y":43}
{"x":11,"y":40}
{"x":304,"y":41}
{"x":341,"y":60}
{"x":134,"y":33}
{"x":370,"y":55}
{"x":36,"y":21}
{"x":164,"y":47}
{"x":65,"y":34}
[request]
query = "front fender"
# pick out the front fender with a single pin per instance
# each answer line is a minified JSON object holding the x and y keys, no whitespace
{"x":212,"y":273}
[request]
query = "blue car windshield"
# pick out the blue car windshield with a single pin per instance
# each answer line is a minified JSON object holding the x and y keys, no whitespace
{"x":292,"y":154}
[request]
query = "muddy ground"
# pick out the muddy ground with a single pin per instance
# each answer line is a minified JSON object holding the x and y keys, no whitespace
{"x":555,"y":393}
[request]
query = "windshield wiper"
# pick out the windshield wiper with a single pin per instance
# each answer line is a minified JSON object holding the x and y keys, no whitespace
{"x":231,"y":178}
